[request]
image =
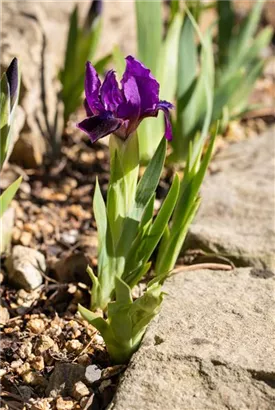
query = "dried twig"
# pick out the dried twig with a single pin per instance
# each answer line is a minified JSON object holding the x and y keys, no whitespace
{"x":199,"y":266}
{"x":47,"y":277}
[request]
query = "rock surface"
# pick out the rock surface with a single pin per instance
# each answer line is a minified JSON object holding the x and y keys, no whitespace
{"x":211,"y":348}
{"x":72,"y":269}
{"x":63,"y":379}
{"x":236,"y":218}
{"x":24,"y":267}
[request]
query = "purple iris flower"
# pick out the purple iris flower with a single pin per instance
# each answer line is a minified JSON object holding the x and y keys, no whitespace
{"x":111,"y":109}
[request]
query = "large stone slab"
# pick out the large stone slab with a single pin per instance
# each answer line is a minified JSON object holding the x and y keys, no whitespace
{"x":237,"y":214}
{"x":211,"y":348}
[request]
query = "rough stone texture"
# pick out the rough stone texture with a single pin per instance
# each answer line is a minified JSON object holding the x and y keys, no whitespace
{"x":119,"y":27}
{"x":237,"y":214}
{"x":211,"y":348}
{"x":72,"y":269}
{"x":24,"y":267}
{"x":36,"y":33}
{"x":63,"y":379}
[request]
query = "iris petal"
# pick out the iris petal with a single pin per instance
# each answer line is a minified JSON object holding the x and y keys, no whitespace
{"x":130,"y":110}
{"x":92,"y":85}
{"x":100,"y":125}
{"x":165,"y":106}
{"x":148,"y":86}
{"x":111,"y":95}
{"x":88,"y":109}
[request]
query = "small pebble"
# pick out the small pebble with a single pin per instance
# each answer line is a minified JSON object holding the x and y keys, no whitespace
{"x":25,"y":238}
{"x":73,"y":329}
{"x":68,"y":184}
{"x":33,"y":229}
{"x":38,"y":363}
{"x":70,"y":237}
{"x":84,"y":360}
{"x":72,"y":288}
{"x":64,"y":404}
{"x":100,"y":154}
{"x":25,"y":350}
{"x":45,"y":344}
{"x":4,"y":315}
{"x":16,"y":232}
{"x":92,"y":373}
{"x":25,"y":299}
{"x":16,"y":363}
{"x":2,"y":276}
{"x":49,"y":194}
{"x":24,"y":368}
{"x":34,"y":379}
{"x":98,"y":339}
{"x":41,"y":404}
{"x":2,"y":372}
{"x":74,"y":345}
{"x":25,"y":187}
{"x":79,"y":212}
{"x":36,"y":326}
{"x":45,"y":226}
{"x":55,"y":330}
{"x":80,"y":390}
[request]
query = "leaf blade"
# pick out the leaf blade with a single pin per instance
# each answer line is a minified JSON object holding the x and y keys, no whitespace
{"x":8,"y":194}
{"x":149,"y":26}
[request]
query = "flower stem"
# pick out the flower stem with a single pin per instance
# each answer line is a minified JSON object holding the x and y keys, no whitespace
{"x":124,"y":164}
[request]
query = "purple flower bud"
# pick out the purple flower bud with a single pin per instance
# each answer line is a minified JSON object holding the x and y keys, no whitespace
{"x":12,"y":76}
{"x":119,"y":110}
{"x":94,"y":12}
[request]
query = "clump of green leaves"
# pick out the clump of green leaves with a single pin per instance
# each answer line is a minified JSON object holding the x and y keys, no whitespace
{"x":239,"y":60}
{"x":232,"y":72}
{"x":185,"y":59}
{"x":128,"y":234}
{"x":10,"y":85}
{"x":175,"y":67}
{"x":129,"y":231}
